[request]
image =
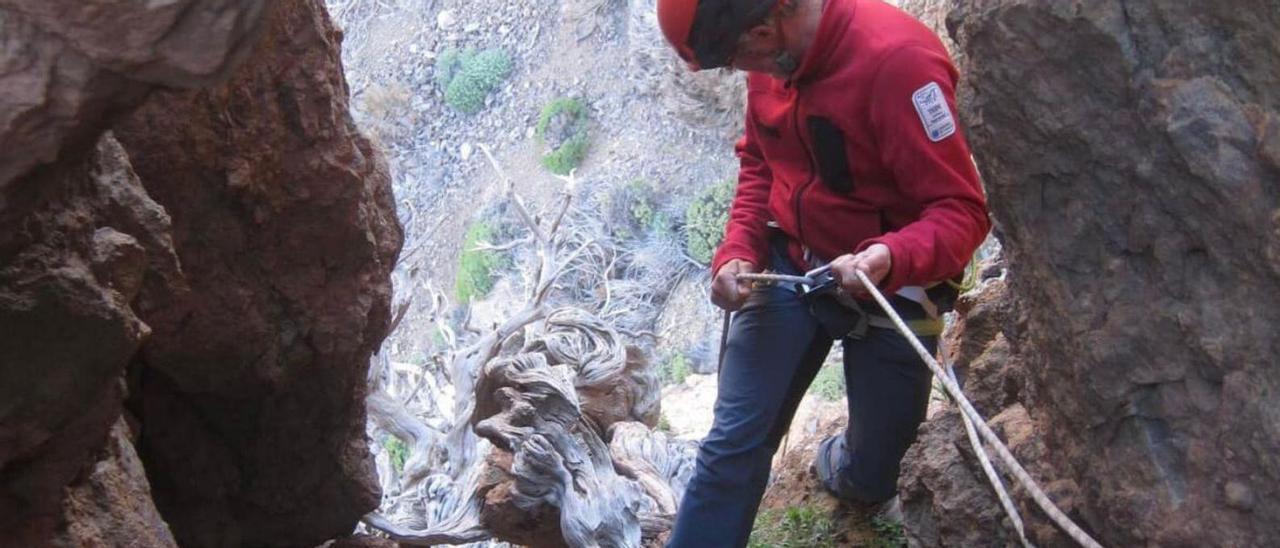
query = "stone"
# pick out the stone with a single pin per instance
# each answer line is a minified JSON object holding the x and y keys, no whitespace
{"x":446,"y":20}
{"x":251,"y":390}
{"x":1121,"y":159}
{"x":112,"y":506}
{"x":76,"y":241}
{"x":65,"y":65}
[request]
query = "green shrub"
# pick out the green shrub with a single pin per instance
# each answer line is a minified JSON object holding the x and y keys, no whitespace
{"x":562,"y":127}
{"x":676,"y":369}
{"x":888,"y":534}
{"x":664,"y":425}
{"x":475,"y":266}
{"x":829,"y":383}
{"x":705,"y":218}
{"x":467,"y":76}
{"x":398,"y":451}
{"x":795,"y":527}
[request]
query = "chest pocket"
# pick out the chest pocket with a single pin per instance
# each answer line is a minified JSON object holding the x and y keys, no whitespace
{"x":828,"y":147}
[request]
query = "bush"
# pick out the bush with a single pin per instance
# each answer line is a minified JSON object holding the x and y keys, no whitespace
{"x":795,"y":527}
{"x":398,"y":451}
{"x":829,"y":383}
{"x":635,"y":209}
{"x":468,"y":76}
{"x":888,"y":534}
{"x":562,"y":127}
{"x":475,"y":267}
{"x":664,"y":425}
{"x":676,"y":369}
{"x":705,"y":218}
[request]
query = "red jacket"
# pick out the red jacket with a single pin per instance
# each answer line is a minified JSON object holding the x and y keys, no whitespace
{"x":861,"y":146}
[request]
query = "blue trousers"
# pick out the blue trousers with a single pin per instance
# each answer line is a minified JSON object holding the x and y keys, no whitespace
{"x":775,"y":349}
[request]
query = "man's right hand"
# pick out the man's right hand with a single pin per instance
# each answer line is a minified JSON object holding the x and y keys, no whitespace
{"x":726,"y":291}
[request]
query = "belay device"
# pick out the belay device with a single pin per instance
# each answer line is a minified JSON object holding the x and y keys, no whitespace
{"x":837,"y":312}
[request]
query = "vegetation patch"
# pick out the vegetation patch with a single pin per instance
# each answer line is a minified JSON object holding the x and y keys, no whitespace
{"x":795,"y":527}
{"x":636,"y":209}
{"x":476,"y":267}
{"x":829,"y":383}
{"x":676,"y":369}
{"x":888,"y":534}
{"x":562,"y":128}
{"x":468,"y":76}
{"x":705,"y":219}
{"x":397,"y":450}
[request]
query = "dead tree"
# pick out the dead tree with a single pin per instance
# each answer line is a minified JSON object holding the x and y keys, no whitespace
{"x":551,"y":416}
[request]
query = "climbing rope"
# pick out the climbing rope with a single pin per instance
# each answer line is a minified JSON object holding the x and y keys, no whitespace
{"x":972,"y":420}
{"x":990,"y":471}
{"x":953,"y":389}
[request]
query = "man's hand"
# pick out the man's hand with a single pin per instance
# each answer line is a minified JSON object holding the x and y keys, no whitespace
{"x":875,"y":261}
{"x":726,"y":291}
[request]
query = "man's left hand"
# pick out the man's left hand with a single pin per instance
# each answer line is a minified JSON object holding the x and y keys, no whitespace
{"x":875,"y":261}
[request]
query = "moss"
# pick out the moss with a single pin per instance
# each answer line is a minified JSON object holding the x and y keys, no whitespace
{"x":562,"y":126}
{"x":705,"y":219}
{"x":467,"y":76}
{"x":795,"y":527}
{"x":475,"y":267}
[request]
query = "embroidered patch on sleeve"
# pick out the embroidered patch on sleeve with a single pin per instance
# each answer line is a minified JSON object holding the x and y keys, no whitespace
{"x":934,"y":113}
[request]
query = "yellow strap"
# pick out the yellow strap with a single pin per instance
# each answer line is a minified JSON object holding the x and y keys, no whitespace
{"x":924,"y":327}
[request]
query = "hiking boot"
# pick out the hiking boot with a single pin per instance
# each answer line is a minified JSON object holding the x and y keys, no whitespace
{"x":826,"y":466}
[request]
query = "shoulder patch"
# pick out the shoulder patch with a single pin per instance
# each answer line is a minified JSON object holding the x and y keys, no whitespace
{"x":934,"y":113}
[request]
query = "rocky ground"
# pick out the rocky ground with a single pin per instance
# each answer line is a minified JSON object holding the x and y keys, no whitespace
{"x":601,"y":52}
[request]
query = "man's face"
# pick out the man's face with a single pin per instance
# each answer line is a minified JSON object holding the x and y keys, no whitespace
{"x":762,"y":49}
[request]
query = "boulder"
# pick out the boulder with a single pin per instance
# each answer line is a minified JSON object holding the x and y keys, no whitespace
{"x":1131,"y":158}
{"x":112,"y":506}
{"x":251,"y":389}
{"x":79,"y":241}
{"x":66,"y":66}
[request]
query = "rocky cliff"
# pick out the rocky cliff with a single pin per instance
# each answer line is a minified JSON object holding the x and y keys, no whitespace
{"x":1131,"y":154}
{"x":225,"y":270}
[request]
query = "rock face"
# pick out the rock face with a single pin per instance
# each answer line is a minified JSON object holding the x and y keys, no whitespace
{"x":113,"y":506}
{"x":79,"y":241}
{"x":252,"y":385}
{"x":946,"y":498}
{"x":255,"y":248}
{"x":65,"y":65}
{"x":1131,"y":153}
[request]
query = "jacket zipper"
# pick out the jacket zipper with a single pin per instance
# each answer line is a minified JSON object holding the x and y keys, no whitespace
{"x":813,"y":169}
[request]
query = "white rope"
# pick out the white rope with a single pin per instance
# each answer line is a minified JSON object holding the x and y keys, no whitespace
{"x":967,"y":409}
{"x":996,"y":483}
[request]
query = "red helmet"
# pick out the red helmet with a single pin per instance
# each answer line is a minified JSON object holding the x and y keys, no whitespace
{"x":705,"y":32}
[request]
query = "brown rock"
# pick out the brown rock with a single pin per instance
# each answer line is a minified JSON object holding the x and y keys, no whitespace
{"x":75,"y":241}
{"x":251,"y":393}
{"x":1120,"y":144}
{"x":112,"y":506}
{"x":537,"y":527}
{"x":947,"y":500}
{"x":361,"y":541}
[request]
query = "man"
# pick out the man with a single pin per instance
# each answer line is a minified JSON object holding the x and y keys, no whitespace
{"x":852,"y":154}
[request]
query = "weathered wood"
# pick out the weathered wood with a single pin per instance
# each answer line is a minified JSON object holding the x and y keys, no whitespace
{"x":558,"y":398}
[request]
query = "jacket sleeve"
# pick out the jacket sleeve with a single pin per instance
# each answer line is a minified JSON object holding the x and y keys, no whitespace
{"x":921,"y":142}
{"x":746,"y":233}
